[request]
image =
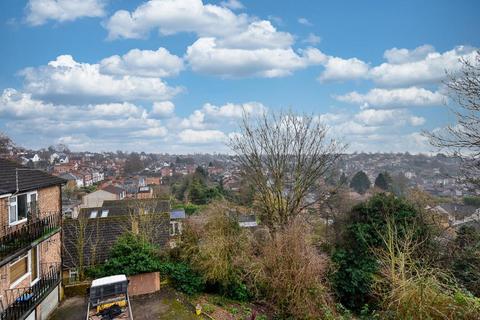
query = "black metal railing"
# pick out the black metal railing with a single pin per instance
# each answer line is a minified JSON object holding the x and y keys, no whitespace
{"x":21,"y":301}
{"x":22,"y":236}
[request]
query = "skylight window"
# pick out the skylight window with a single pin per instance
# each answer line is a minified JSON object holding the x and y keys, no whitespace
{"x":104,"y":213}
{"x":93,"y":214}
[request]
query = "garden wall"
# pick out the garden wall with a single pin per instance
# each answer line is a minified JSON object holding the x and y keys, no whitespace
{"x":144,"y":283}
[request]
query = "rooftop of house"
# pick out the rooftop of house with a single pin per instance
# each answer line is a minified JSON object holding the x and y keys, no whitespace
{"x":112,"y":208}
{"x":28,"y":179}
{"x":177,"y":214}
{"x":459,"y":210}
{"x":100,"y":235}
{"x":113,"y":189}
{"x":68,"y":176}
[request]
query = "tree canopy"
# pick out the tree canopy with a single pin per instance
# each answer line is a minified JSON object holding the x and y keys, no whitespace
{"x":360,"y":182}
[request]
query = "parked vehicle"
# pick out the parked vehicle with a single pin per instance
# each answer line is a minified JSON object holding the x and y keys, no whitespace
{"x":108,"y":299}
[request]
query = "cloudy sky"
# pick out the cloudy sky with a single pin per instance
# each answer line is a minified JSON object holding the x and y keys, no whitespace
{"x":176,"y":75}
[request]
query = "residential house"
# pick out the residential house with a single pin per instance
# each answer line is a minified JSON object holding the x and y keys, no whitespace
{"x":72,"y":179}
{"x":102,"y":226}
{"x":96,"y":198}
{"x":145,"y":193}
{"x":119,"y":192}
{"x":166,"y":171}
{"x":153,"y":180}
{"x":30,"y":242}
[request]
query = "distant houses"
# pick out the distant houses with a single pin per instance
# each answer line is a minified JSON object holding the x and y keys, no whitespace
{"x":97,"y":198}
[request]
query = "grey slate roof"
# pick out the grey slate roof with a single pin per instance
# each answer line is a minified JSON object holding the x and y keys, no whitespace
{"x":459,"y":210}
{"x":113,"y":189}
{"x":127,"y":207}
{"x":29,"y":179}
{"x":102,"y":233}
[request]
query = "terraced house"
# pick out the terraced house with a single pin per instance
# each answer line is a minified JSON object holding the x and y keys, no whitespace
{"x":30,"y":242}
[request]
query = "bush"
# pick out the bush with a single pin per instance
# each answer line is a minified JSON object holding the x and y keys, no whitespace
{"x":408,"y":289}
{"x":355,"y":266}
{"x":471,"y":200}
{"x":216,"y":247}
{"x":182,"y":277}
{"x":290,"y":274}
{"x":465,"y":260}
{"x":130,"y":255}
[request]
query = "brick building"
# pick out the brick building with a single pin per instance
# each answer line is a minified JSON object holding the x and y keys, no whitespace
{"x":30,"y":242}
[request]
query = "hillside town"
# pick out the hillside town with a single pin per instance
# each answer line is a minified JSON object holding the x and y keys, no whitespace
{"x":73,"y":207}
{"x":239,"y":160}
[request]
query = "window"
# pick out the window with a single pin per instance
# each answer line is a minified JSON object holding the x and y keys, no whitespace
{"x":93,"y":214}
{"x":73,"y":274}
{"x":173,"y":228}
{"x":18,"y":270}
{"x":20,"y":206}
{"x":104,"y":213}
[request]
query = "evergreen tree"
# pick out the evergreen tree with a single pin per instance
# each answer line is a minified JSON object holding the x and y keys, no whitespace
{"x":360,"y":182}
{"x":383,"y":181}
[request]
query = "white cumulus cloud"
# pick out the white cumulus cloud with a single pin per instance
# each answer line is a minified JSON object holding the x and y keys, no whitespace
{"x":373,"y":117}
{"x":69,"y":81}
{"x":343,"y":69}
{"x":205,"y":56}
{"x":174,"y":16}
{"x":190,"y":136}
{"x":143,"y":63}
{"x":394,"y":98}
{"x":40,"y":11}
{"x":163,"y":109}
{"x":422,"y":65}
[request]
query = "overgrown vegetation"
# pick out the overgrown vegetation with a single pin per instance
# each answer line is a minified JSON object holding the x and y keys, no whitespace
{"x":194,"y":188}
{"x":356,"y":266}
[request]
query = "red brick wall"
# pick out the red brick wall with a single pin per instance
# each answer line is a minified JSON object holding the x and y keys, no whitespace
{"x":144,"y":283}
{"x":48,"y":202}
{"x":49,"y":253}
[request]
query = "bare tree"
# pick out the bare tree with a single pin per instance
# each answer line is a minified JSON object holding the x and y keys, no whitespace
{"x":143,"y":218}
{"x":284,"y":156}
{"x":79,"y":240}
{"x":463,"y":137}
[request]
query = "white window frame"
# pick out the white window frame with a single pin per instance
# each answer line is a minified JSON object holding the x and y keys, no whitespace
{"x":73,"y":273}
{"x":29,"y":196}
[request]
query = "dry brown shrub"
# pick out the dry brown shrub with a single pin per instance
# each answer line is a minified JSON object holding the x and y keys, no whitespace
{"x":290,"y":274}
{"x":411,"y":290}
{"x":215,"y":244}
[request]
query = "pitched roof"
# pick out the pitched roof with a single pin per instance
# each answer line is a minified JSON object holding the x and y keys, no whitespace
{"x":28,"y":179}
{"x":458,"y":209}
{"x":113,"y":189}
{"x":68,"y":176}
{"x":101,"y":234}
{"x":126,"y":207}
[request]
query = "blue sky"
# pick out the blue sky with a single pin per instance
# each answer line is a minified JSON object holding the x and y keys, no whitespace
{"x":175,"y":75}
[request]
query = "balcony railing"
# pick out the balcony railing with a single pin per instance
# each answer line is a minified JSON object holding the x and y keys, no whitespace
{"x":25,"y":234}
{"x":21,"y":301}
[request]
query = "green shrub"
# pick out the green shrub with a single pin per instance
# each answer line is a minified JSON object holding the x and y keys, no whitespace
{"x":465,"y":260}
{"x":130,"y":255}
{"x":182,"y":277}
{"x":356,"y":266}
{"x":471,"y":200}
